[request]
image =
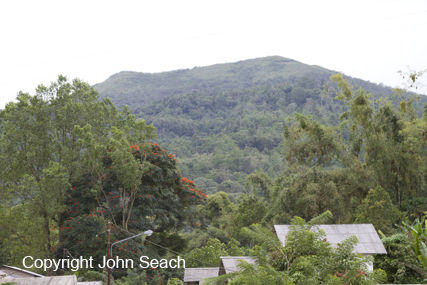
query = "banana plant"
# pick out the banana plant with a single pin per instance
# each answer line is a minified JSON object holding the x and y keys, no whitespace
{"x":420,"y":235}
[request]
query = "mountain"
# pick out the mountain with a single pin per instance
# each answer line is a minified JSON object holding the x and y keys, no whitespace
{"x":137,"y":88}
{"x":225,"y":121}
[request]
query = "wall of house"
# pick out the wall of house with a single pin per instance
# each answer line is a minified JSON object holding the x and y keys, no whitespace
{"x":370,"y":265}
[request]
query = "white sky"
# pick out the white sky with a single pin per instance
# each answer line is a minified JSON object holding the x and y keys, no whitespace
{"x":91,"y":39}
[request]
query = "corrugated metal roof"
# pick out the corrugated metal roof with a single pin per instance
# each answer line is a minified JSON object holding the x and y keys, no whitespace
{"x":368,"y":240}
{"x":53,"y":280}
{"x":229,"y":263}
{"x":9,"y":270}
{"x":198,"y":274}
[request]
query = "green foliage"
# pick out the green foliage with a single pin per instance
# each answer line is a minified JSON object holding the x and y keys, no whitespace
{"x":41,"y":157}
{"x":377,"y":209}
{"x":223,"y":121}
{"x":127,"y":88}
{"x":200,"y":236}
{"x":209,"y":255}
{"x":175,"y":281}
{"x":333,"y":168}
{"x":127,"y":136}
{"x":139,"y":89}
{"x":260,"y":183}
{"x":306,"y":258}
{"x":419,"y":232}
{"x":386,"y":144}
{"x":225,"y":219}
{"x":311,"y":143}
{"x":400,"y":264}
{"x":91,"y":275}
{"x":250,"y":210}
{"x":132,"y":277}
{"x":309,"y":191}
{"x":218,"y":210}
{"x":74,"y":162}
{"x":163,"y":202}
{"x":252,"y":274}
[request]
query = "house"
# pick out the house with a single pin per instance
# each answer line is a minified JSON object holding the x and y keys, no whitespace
{"x":54,"y":280}
{"x":369,"y":242}
{"x":7,"y":271}
{"x":45,"y":280}
{"x":229,"y":263}
{"x":25,"y":277}
{"x":196,"y":276}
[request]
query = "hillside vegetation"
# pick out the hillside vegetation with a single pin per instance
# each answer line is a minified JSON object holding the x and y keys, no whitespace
{"x":138,"y":89}
{"x":213,"y":173}
{"x":225,"y":121}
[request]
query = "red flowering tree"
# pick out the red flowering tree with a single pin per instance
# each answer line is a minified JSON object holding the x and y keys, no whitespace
{"x":161,"y":200}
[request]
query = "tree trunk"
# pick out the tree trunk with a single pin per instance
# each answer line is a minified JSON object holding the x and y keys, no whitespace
{"x":48,"y":247}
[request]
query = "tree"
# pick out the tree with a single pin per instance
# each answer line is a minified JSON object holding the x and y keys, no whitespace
{"x":128,"y":135}
{"x":309,"y":191}
{"x":250,"y":210}
{"x":383,"y":146}
{"x":377,"y":209}
{"x":419,"y":233}
{"x":209,"y":255}
{"x":41,"y":157}
{"x":131,"y":278}
{"x":384,"y":143}
{"x":162,"y":201}
{"x":218,"y":210}
{"x":400,"y":264}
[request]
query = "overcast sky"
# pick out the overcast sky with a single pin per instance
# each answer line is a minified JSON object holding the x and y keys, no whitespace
{"x":91,"y":40}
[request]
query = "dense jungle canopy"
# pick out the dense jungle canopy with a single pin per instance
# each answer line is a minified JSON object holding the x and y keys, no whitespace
{"x":210,"y":159}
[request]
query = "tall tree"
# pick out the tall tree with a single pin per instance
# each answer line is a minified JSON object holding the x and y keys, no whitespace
{"x":42,"y":157}
{"x":383,"y":146}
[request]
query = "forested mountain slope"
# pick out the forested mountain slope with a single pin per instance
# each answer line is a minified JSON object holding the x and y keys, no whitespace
{"x":307,"y":147}
{"x":225,"y":121}
{"x":137,"y":88}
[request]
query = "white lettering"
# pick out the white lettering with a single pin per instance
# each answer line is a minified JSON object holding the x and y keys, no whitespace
{"x":23,"y":261}
{"x":45,"y":264}
{"x":75,"y":264}
{"x":179,"y":260}
{"x":143,"y":261}
{"x":56,"y":264}
{"x":163,"y":263}
{"x":41,"y":263}
{"x":154,"y":263}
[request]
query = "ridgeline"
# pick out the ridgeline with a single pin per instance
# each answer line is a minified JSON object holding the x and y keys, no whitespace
{"x":226,"y":120}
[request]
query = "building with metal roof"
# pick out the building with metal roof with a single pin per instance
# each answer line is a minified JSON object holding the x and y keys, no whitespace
{"x":196,"y":276}
{"x":229,"y":263}
{"x":53,"y":280}
{"x":90,"y":283}
{"x":7,"y":271}
{"x":368,"y":240}
{"x":49,"y":280}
